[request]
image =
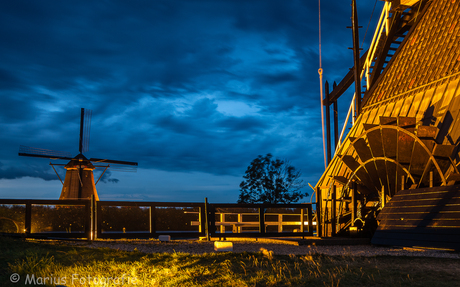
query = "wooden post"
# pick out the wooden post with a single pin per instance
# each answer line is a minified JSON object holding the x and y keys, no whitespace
{"x":302,"y":220}
{"x":333,"y":211}
{"x":280,"y":223}
{"x":206,"y":218}
{"x":431,"y":179}
{"x":200,"y":219}
{"x":353,"y":202}
{"x":222,"y":219}
{"x":92,"y":219}
{"x":402,"y":182}
{"x":336,"y":125}
{"x":318,"y":212}
{"x":328,"y":123}
{"x":262,"y":220}
{"x":355,"y":27}
{"x":383,"y":196}
{"x":240,"y":220}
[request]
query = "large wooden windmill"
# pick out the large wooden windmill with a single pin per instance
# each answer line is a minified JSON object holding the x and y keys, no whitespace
{"x":79,"y":179}
{"x":397,"y":170}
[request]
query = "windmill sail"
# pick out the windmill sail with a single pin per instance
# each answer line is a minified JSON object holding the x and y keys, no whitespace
{"x":44,"y":153}
{"x":100,"y":160}
{"x":79,"y":178}
{"x":85,"y":127}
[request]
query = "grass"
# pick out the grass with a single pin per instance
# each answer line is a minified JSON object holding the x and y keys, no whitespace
{"x":52,"y":264}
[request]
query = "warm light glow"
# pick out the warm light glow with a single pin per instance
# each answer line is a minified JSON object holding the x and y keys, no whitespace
{"x":223,"y":246}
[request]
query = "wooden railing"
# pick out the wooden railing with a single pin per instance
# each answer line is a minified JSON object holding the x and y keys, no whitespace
{"x":115,"y":219}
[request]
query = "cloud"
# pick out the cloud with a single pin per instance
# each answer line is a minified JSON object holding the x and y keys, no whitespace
{"x":178,"y":86}
{"x":14,"y":172}
{"x":106,"y":177}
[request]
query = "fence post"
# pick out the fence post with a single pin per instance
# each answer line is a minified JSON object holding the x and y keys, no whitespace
{"x":333,"y":210}
{"x":383,"y":196}
{"x":262,"y":219}
{"x":222,"y":219}
{"x":206,"y":218}
{"x":90,"y":220}
{"x":318,"y":212}
{"x":280,"y":223}
{"x":302,"y":220}
{"x":354,"y":189}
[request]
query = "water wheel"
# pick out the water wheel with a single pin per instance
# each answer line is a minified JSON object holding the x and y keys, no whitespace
{"x":394,"y":155}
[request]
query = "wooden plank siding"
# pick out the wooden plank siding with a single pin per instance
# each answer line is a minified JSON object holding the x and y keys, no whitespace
{"x":426,"y":217}
{"x":421,"y":81}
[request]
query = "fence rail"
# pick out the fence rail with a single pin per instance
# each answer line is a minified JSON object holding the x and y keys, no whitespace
{"x":117,"y":219}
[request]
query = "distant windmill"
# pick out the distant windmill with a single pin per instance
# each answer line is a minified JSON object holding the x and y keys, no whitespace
{"x":79,"y":179}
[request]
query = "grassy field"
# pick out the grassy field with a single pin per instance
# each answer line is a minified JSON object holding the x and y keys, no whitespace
{"x":47,"y":264}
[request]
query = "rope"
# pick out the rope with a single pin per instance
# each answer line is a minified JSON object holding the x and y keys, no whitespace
{"x":368,"y":24}
{"x":418,"y":11}
{"x":320,"y":72}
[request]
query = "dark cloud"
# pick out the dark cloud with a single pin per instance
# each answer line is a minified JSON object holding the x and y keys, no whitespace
{"x":106,"y":177}
{"x":15,"y":172}
{"x":181,"y":86}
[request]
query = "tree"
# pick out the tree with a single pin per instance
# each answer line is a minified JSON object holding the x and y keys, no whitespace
{"x":271,"y":181}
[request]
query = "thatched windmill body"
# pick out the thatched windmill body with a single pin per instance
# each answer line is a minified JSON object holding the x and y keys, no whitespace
{"x":79,"y":178}
{"x":396,"y":176}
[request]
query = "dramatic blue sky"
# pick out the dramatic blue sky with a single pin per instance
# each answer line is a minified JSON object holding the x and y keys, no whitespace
{"x":193,"y":90}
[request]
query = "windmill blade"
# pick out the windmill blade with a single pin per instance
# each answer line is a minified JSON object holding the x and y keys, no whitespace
{"x":101,"y":160}
{"x":124,"y":168}
{"x":85,"y":127}
{"x":44,"y":153}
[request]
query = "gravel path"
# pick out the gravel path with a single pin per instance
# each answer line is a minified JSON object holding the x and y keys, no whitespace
{"x":278,"y":248}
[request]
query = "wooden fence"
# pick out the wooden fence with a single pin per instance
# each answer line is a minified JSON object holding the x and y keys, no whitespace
{"x":86,"y":219}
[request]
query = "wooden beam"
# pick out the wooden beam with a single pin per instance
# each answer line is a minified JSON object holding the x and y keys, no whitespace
{"x":328,"y":125}
{"x":357,"y":72}
{"x":346,"y":82}
{"x":333,"y":210}
{"x":336,"y":125}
